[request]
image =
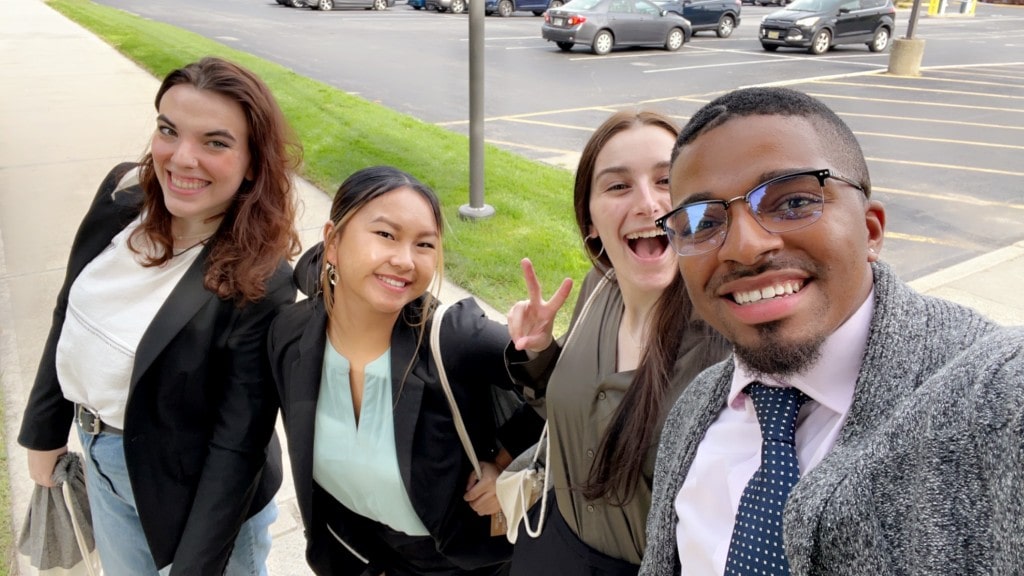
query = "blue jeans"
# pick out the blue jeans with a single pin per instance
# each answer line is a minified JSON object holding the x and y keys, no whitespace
{"x":118,"y":531}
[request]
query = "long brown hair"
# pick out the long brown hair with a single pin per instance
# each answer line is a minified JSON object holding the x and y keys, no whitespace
{"x":618,"y":466}
{"x":258,"y":230}
{"x":637,"y":422}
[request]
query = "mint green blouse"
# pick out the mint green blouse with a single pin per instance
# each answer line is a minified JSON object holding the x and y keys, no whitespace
{"x":357,"y":462}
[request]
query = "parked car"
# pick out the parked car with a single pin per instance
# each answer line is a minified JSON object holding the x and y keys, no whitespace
{"x":604,"y":24}
{"x":507,"y":7}
{"x":722,"y":16}
{"x":337,"y":4}
{"x":456,"y":6}
{"x":417,"y":4}
{"x":292,"y":3}
{"x":818,"y":25}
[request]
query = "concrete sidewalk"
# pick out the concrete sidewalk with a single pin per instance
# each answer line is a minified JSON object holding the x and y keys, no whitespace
{"x":70,"y":108}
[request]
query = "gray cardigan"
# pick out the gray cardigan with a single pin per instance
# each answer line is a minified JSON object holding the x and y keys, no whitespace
{"x":927,"y":475}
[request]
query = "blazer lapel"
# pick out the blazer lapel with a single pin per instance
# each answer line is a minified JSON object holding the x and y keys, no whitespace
{"x":304,"y":391}
{"x":188,"y":296}
{"x":406,"y":396}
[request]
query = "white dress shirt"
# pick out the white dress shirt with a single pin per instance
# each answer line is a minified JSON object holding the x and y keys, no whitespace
{"x":730,"y":451}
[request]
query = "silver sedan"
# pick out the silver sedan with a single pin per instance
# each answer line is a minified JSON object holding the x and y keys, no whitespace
{"x":604,"y":24}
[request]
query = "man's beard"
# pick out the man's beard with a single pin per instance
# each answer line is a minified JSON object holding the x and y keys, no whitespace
{"x":774,"y":357}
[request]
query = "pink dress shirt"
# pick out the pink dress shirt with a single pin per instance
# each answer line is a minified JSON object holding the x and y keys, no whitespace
{"x":730,"y":451}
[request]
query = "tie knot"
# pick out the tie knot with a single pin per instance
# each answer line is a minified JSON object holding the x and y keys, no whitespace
{"x":776,"y":409}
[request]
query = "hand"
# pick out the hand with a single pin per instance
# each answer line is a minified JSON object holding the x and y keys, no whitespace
{"x":481,"y":494}
{"x":41,"y":464}
{"x":530,"y":322}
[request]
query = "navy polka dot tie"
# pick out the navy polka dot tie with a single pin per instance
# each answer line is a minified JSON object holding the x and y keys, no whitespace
{"x":756,"y":545}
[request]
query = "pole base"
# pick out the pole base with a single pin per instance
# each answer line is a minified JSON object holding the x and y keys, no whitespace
{"x":467,"y":212}
{"x":905,"y":57}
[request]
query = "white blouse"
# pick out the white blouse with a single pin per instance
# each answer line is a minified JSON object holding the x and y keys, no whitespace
{"x":110,"y":306}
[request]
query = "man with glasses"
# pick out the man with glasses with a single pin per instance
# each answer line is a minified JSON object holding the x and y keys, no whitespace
{"x":859,"y":428}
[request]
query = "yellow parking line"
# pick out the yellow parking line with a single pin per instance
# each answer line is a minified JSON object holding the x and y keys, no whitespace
{"x":926,"y":240}
{"x":916,"y":103}
{"x":947,"y":166}
{"x":912,"y":89}
{"x":528,"y":147}
{"x":958,"y":198}
{"x":942,"y":140}
{"x":936,"y":79}
{"x":934,"y":121}
{"x":976,"y":73}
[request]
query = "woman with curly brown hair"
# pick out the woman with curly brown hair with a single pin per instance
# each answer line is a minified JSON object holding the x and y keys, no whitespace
{"x":156,"y":352}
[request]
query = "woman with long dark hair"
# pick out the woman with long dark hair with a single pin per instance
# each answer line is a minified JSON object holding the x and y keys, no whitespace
{"x":605,"y":395}
{"x":380,"y":472}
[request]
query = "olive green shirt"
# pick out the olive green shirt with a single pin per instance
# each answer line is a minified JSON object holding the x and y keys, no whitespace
{"x":581,"y":390}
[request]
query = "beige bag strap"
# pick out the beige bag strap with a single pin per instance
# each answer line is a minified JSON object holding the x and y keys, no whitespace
{"x":442,"y":375}
{"x":545,"y":435}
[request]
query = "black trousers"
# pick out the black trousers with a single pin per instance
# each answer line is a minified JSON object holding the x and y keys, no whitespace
{"x":559,"y":552}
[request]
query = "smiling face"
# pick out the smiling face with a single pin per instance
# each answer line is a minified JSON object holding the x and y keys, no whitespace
{"x":200,"y":154}
{"x":629,"y":191}
{"x":386,"y":253}
{"x":776,"y":297}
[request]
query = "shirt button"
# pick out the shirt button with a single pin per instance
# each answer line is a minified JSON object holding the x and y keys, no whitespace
{"x":590,"y":453}
{"x":590,"y":507}
{"x":601,"y":395}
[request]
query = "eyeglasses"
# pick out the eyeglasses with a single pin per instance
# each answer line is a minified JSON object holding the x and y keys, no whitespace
{"x":782,"y":204}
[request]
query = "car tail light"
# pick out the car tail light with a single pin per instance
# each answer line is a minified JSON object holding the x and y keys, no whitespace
{"x":547,"y":17}
{"x":576,"y":19}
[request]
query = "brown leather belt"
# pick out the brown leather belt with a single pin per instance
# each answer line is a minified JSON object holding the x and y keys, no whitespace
{"x":91,"y":423}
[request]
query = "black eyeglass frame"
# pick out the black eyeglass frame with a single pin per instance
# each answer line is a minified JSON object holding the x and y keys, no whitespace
{"x":821,"y":174}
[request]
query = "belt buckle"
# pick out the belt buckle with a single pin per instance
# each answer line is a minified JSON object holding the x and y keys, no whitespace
{"x":89,"y":421}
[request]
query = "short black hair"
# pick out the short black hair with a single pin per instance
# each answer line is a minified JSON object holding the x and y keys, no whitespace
{"x":840,"y":144}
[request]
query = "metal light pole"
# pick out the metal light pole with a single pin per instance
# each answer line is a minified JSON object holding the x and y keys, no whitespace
{"x":476,"y":209}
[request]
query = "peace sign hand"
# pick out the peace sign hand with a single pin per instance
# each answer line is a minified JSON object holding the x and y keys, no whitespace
{"x":530,"y":322}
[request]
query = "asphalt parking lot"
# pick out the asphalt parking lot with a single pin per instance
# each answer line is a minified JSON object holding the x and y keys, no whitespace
{"x":944,"y":148}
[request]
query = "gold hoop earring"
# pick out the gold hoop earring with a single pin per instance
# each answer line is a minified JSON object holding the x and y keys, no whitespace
{"x":332,"y":275}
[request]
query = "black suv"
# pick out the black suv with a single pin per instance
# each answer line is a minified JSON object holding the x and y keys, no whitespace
{"x":817,"y":25}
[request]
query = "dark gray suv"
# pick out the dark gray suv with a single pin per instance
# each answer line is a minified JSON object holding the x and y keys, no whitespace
{"x":818,"y":25}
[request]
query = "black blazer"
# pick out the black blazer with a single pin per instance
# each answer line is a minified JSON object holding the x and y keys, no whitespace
{"x":198,"y":430}
{"x":431,"y":460}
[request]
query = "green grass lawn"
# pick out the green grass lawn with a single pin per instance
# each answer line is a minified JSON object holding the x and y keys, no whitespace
{"x":344,"y":133}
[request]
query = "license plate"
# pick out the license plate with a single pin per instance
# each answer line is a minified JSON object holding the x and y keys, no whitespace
{"x":773,"y":34}
{"x":558,"y":21}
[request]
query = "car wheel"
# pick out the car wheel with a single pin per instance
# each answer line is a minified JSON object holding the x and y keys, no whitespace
{"x":538,"y":12}
{"x":820,"y":42}
{"x":881,"y":40}
{"x":725,"y":26}
{"x":769,"y":47}
{"x":325,"y":4}
{"x":555,"y":4}
{"x":505,"y":8}
{"x":675,"y":39}
{"x":457,"y":7}
{"x":380,"y":4}
{"x":564,"y":46}
{"x":603,"y":42}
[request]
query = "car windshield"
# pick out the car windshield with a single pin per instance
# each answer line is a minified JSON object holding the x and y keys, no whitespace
{"x":581,"y":4}
{"x":809,"y":5}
